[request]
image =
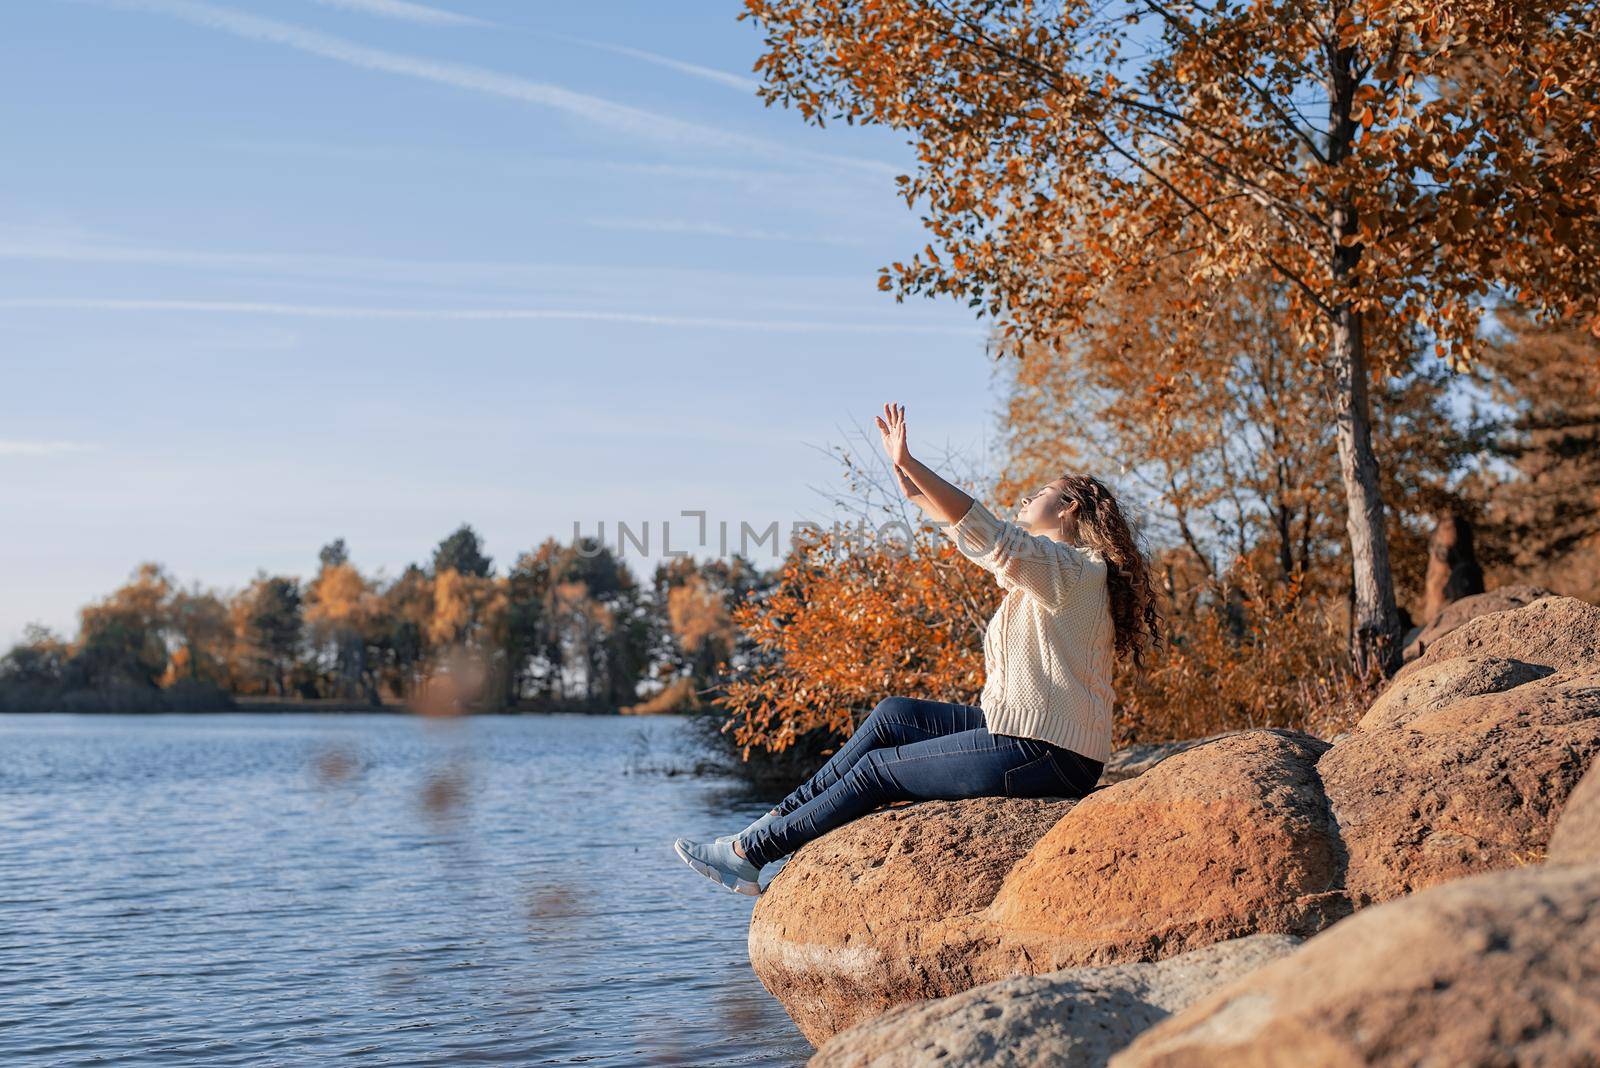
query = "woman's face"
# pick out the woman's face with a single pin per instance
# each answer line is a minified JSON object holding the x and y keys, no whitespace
{"x":1040,"y":511}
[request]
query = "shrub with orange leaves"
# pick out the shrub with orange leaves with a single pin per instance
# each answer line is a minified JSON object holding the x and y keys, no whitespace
{"x":1246,"y":650}
{"x":848,"y":624}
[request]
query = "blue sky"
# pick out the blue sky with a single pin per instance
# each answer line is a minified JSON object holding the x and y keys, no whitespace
{"x":275,"y":273}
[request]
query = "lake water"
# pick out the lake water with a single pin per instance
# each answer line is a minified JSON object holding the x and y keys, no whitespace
{"x":276,"y":889}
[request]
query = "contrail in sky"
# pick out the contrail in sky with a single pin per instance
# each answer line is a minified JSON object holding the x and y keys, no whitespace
{"x":747,"y":85}
{"x":334,"y":311}
{"x":622,"y":118}
{"x":407,"y":12}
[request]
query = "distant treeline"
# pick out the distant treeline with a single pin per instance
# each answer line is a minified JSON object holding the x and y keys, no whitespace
{"x":564,"y":628}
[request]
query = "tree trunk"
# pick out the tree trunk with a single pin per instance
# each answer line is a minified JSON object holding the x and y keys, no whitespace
{"x":1376,"y":622}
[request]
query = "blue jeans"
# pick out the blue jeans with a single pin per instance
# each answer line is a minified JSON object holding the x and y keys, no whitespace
{"x":913,"y":750}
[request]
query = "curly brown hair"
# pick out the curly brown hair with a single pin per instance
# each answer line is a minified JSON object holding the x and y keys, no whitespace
{"x":1102,"y":526}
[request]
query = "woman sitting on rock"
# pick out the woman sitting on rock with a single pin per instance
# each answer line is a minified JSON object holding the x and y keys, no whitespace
{"x":1077,"y":593}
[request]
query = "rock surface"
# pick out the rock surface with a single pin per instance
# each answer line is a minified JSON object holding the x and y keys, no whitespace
{"x":1455,"y":613}
{"x":1470,"y":787}
{"x":879,"y":911}
{"x":1437,"y":683}
{"x":1076,"y":1016}
{"x":1466,"y":760}
{"x":1230,"y":838}
{"x":1576,"y":839}
{"x":1562,"y":633}
{"x":1134,"y":760}
{"x":1497,"y":969}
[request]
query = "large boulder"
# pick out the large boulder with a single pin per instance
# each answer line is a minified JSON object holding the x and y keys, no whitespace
{"x":1555,"y":632}
{"x":1497,"y":969}
{"x":1470,"y":787}
{"x":1455,"y":613}
{"x":1439,"y":683}
{"x":1576,"y":839}
{"x":886,"y":909}
{"x":1464,"y":763}
{"x":1226,"y":839}
{"x":1076,"y":1016}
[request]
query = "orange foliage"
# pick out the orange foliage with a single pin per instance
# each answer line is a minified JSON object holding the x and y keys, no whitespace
{"x":1246,"y":650}
{"x":341,"y":598}
{"x":465,"y":607}
{"x":1401,"y":154}
{"x":699,"y":616}
{"x":849,"y":624}
{"x":1387,"y":160}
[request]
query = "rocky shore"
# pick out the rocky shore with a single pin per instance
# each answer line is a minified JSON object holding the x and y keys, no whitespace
{"x":1422,"y":888}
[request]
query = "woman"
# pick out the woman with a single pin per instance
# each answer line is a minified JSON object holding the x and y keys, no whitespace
{"x":1077,"y":594}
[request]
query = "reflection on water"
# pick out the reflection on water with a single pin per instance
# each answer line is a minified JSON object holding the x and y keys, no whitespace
{"x":285,"y":889}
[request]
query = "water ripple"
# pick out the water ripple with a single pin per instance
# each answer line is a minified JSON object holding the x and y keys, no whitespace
{"x":286,"y":889}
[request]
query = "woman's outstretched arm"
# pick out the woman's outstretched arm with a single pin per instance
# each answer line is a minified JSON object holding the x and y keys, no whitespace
{"x":942,"y":501}
{"x":1045,"y":568}
{"x":946,"y":503}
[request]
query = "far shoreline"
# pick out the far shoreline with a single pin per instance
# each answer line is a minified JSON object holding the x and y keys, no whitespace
{"x":276,"y":706}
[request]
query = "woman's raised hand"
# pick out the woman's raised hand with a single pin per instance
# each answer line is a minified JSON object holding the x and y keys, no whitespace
{"x":892,"y":429}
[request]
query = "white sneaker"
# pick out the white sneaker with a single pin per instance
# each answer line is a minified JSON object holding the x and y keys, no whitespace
{"x":718,"y":862}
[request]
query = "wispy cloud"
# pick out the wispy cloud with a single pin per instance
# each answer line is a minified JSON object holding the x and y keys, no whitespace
{"x":15,"y":447}
{"x":690,"y":172}
{"x":634,"y":122}
{"x":45,"y":245}
{"x":710,"y":74}
{"x":407,"y":12}
{"x":334,"y":311}
{"x":791,"y":180}
{"x":711,"y":229}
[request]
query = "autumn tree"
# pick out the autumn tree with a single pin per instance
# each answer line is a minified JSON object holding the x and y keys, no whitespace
{"x":462,"y":552}
{"x":201,"y":636}
{"x":845,"y":626}
{"x":122,"y":639}
{"x":269,"y":625}
{"x":1543,"y":522}
{"x":696,"y":639}
{"x":464,"y":608}
{"x":885,"y":605}
{"x":1389,"y":160}
{"x":37,"y":662}
{"x":343,"y":616}
{"x":1238,"y":458}
{"x":468,"y":627}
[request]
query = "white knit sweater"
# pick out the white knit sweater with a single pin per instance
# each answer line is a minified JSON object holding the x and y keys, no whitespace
{"x":1047,"y":652}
